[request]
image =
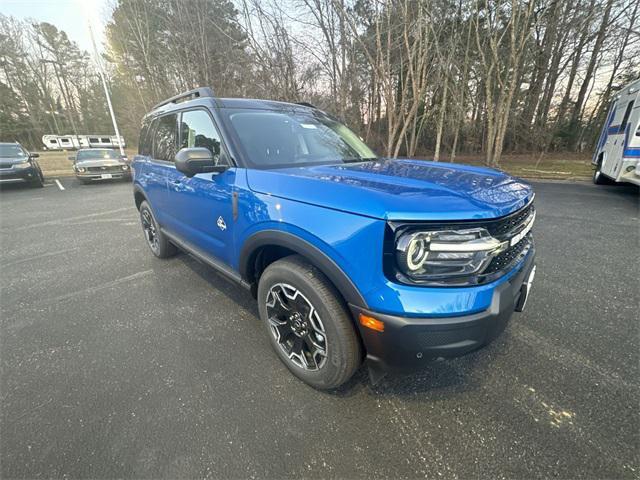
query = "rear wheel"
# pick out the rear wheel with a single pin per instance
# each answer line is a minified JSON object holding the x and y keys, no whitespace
{"x":157,"y":241}
{"x":308,"y":324}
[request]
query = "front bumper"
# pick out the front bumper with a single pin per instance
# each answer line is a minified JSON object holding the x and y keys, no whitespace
{"x":407,"y":343}
{"x":101,"y":176}
{"x":18,"y":175}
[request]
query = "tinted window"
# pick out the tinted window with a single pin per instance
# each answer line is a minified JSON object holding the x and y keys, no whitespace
{"x":197,"y":130}
{"x":95,"y":154}
{"x":93,"y":140}
{"x":105,"y":140}
{"x":144,"y":143}
{"x":279,"y":139}
{"x":164,"y":138}
{"x":12,"y":151}
{"x":625,"y":119}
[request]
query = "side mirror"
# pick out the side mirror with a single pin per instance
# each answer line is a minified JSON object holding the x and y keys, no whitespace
{"x":192,"y":161}
{"x":72,"y":158}
{"x":34,"y":155}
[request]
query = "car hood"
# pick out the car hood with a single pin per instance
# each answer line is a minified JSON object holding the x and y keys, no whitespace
{"x":8,"y":161}
{"x":399,"y":189}
{"x":99,"y":163}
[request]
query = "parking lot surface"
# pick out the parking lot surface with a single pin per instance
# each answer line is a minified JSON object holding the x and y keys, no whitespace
{"x":117,"y":364}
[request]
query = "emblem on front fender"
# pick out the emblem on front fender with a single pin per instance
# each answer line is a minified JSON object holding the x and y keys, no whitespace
{"x":221,"y":225}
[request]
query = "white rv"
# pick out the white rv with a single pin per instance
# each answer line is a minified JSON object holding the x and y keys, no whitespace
{"x":617,"y":157}
{"x":73,"y":142}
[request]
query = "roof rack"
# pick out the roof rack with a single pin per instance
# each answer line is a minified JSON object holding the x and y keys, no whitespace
{"x":305,"y":104}
{"x":190,"y":95}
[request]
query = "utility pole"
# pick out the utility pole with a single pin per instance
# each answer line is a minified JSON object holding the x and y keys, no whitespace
{"x":104,"y":84}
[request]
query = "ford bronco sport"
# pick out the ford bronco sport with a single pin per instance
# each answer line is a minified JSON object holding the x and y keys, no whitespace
{"x":349,"y":255}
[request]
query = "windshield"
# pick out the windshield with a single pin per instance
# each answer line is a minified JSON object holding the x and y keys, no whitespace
{"x":97,"y":154}
{"x":12,"y":151}
{"x":288,"y":139}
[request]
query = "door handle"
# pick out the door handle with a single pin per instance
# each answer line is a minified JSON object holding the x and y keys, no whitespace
{"x":175,"y":182}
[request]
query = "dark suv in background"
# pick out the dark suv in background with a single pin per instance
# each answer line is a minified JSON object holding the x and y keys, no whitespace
{"x":17,"y":165}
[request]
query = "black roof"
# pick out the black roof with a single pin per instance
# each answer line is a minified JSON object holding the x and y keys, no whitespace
{"x":216,"y":102}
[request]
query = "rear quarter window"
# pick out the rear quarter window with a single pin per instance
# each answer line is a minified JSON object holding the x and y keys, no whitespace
{"x":144,"y":143}
{"x":165,"y":138}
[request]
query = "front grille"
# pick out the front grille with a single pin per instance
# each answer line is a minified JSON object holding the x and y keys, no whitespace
{"x":508,"y":257}
{"x":510,"y":225}
{"x":6,"y":165}
{"x":110,"y":169}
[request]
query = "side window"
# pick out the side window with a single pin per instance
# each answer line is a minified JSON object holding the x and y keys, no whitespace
{"x":197,"y":130}
{"x":144,"y":143}
{"x":625,"y":119}
{"x":164,"y":138}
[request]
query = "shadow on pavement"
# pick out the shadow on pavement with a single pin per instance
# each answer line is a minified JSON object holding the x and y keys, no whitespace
{"x":448,"y":377}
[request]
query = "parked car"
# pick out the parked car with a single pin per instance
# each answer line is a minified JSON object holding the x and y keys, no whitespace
{"x":349,"y":255}
{"x":95,"y":164}
{"x":17,"y":165}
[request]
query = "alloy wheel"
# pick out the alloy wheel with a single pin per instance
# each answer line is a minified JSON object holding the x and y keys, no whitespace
{"x":150,"y":231}
{"x":296,"y":327}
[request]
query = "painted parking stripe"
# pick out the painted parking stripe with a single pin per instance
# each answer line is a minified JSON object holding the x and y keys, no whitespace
{"x":59,"y":184}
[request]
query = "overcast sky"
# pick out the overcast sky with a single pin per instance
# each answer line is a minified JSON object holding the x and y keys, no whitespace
{"x":68,"y":15}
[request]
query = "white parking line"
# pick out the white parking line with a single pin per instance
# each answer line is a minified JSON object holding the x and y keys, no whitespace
{"x":59,"y":184}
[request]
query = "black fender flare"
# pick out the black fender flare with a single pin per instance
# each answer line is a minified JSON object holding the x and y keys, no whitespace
{"x":316,"y":256}
{"x":137,"y":191}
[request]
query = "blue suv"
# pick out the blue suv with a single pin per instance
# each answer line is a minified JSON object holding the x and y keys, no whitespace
{"x":350,"y":256}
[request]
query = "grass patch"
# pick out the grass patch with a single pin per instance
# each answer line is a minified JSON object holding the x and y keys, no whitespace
{"x":560,"y":166}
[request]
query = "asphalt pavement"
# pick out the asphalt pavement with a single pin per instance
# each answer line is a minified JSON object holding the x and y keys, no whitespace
{"x":116,"y":364}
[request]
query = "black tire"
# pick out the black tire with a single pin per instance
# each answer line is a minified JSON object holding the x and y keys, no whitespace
{"x":599,"y":178}
{"x":39,"y":181}
{"x":157,"y":241}
{"x":342,"y":349}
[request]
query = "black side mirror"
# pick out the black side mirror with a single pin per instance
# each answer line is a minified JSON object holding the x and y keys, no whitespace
{"x":34,"y":155}
{"x":192,"y":161}
{"x":72,"y":158}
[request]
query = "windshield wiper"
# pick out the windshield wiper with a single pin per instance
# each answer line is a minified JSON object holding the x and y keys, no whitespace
{"x":359,"y":160}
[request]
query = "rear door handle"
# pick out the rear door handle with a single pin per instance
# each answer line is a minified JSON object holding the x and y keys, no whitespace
{"x":175,"y":182}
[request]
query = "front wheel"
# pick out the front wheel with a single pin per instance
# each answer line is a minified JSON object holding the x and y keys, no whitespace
{"x":39,"y":180}
{"x":598,"y":177}
{"x":308,"y":323}
{"x":157,"y":241}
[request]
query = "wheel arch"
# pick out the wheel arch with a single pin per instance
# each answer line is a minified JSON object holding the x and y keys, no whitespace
{"x":283,"y":244}
{"x":139,"y":196}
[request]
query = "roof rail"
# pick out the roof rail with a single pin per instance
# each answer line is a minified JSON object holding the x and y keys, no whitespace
{"x":190,"y":95}
{"x":305,"y":104}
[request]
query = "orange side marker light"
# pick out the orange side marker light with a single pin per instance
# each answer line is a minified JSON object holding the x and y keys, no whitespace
{"x":372,"y":323}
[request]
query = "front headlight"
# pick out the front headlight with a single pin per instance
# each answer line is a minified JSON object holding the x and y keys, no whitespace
{"x":435,"y":255}
{"x":125,"y":167}
{"x":80,"y":169}
{"x":24,"y":164}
